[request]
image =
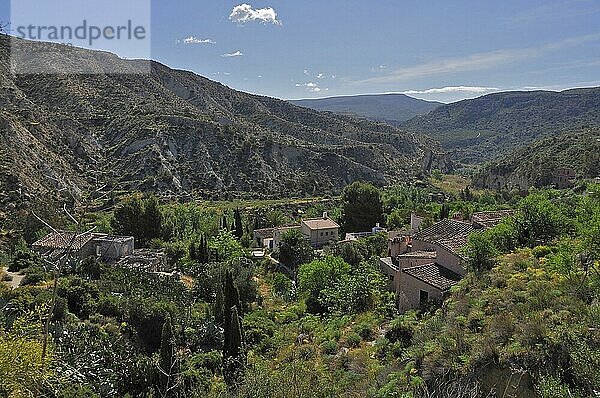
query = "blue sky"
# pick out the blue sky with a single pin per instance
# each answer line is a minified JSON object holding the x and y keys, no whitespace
{"x":438,"y":50}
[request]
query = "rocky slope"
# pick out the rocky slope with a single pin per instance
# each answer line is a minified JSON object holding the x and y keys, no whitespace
{"x":175,"y":132}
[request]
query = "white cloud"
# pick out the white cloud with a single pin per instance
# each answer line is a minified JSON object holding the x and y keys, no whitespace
{"x":310,"y":86}
{"x":245,"y":13}
{"x":238,"y":53}
{"x":453,"y":89}
{"x":320,"y":76}
{"x":305,"y":72}
{"x":477,"y":61}
{"x":195,"y":40}
{"x":333,"y":76}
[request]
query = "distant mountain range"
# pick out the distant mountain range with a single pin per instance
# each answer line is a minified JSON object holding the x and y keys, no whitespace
{"x":178,"y":133}
{"x":391,"y":108}
{"x":484,"y":128}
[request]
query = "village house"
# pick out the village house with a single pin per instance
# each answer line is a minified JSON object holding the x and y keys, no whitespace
{"x":263,"y":238}
{"x":110,"y":249}
{"x":423,"y":266}
{"x":107,"y":248}
{"x":320,"y":231}
{"x":564,"y":177}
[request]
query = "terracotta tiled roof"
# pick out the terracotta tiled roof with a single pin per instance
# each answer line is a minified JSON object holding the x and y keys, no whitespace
{"x":419,"y":254}
{"x":434,"y":275}
{"x":450,"y":234}
{"x":320,"y":223}
{"x":264,"y":232}
{"x":489,"y":219}
{"x":63,"y":240}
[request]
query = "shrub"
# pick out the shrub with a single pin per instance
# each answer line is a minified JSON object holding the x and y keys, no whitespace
{"x":541,"y":251}
{"x":364,"y":330}
{"x":353,"y":339}
{"x":329,"y":347}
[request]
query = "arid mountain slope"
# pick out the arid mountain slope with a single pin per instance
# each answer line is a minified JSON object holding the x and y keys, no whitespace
{"x":172,"y":131}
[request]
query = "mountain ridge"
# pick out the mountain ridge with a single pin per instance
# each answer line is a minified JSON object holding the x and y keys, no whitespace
{"x":393,"y":108}
{"x":481,"y":129}
{"x":179,"y":133}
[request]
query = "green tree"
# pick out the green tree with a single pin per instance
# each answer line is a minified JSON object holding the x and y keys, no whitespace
{"x":362,"y":207}
{"x":151,"y":219}
{"x":140,"y":218}
{"x":224,"y":247}
{"x":397,"y":219}
{"x":238,"y":228}
{"x":480,"y":252}
{"x":538,"y":220}
{"x":233,"y":352}
{"x":127,"y":218}
{"x":317,"y":276}
{"x":294,"y":250}
{"x":275,"y":218}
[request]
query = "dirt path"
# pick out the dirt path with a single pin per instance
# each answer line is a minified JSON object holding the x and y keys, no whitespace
{"x":16,"y":278}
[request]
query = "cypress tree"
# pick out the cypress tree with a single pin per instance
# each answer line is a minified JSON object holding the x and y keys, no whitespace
{"x":234,"y":338}
{"x":238,"y":226}
{"x":167,"y":360}
{"x":224,"y":222}
{"x":199,"y":251}
{"x":227,"y":309}
{"x":204,"y":249}
{"x":444,"y":211}
{"x":231,"y":296}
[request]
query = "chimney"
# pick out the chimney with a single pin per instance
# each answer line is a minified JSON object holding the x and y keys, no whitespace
{"x":325,"y":215}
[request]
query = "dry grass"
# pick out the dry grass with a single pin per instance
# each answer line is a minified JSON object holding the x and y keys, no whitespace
{"x":451,"y":183}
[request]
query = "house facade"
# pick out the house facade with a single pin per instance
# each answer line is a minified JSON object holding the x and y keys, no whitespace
{"x":106,"y":248}
{"x":263,"y":238}
{"x":320,"y":231}
{"x":421,"y":268}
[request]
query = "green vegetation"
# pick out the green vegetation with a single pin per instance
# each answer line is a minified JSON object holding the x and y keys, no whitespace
{"x":522,"y":322}
{"x":362,"y":207}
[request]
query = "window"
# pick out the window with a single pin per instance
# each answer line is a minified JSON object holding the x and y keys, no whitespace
{"x":423,"y":297}
{"x":321,"y":233}
{"x":391,"y":277}
{"x":326,"y":233}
